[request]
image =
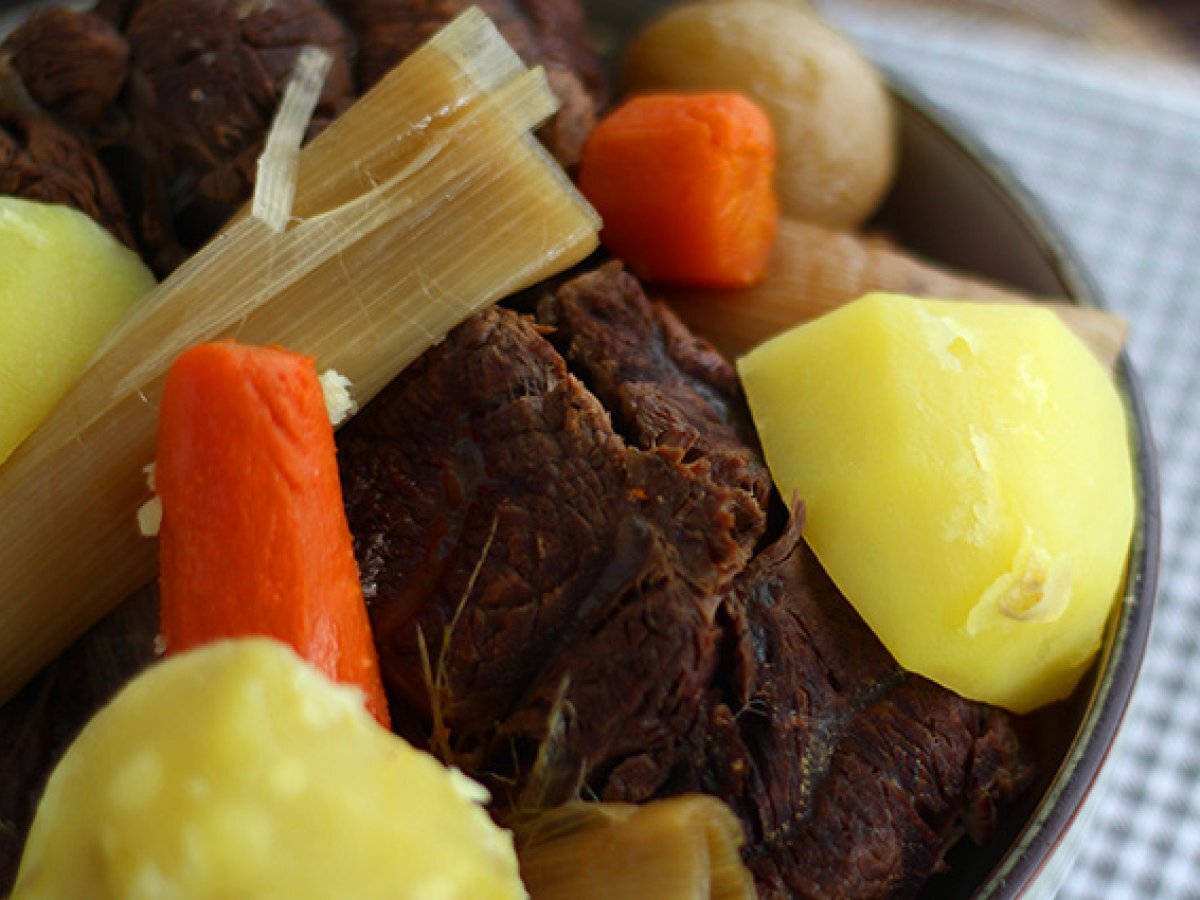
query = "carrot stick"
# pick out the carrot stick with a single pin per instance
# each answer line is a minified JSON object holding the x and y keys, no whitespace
{"x":254,"y":539}
{"x":685,"y":185}
{"x":814,"y":270}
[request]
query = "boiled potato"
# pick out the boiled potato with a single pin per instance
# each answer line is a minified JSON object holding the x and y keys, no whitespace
{"x":834,"y":123}
{"x":64,"y":283}
{"x":967,"y":477}
{"x":237,"y":770}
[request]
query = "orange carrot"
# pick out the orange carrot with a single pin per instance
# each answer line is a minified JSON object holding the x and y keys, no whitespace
{"x":254,"y":539}
{"x":685,"y":185}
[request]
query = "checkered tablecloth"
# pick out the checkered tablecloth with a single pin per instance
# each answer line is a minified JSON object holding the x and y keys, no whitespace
{"x":1111,"y":146}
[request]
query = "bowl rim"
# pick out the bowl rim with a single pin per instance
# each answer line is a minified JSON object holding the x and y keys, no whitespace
{"x":1028,"y":858}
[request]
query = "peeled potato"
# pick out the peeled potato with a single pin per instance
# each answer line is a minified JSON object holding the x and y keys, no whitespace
{"x":64,"y":283}
{"x":833,"y":119}
{"x":237,"y":770}
{"x":967,"y":477}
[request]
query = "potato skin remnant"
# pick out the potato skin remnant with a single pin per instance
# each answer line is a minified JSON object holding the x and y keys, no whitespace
{"x":968,"y":481}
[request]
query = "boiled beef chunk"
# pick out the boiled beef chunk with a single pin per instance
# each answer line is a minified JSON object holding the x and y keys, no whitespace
{"x":676,"y":402}
{"x":625,"y":677}
{"x":667,"y":389}
{"x":567,"y":515}
{"x":73,"y":64}
{"x":176,"y":97}
{"x":205,"y":78}
{"x":483,"y":478}
{"x":853,"y":777}
{"x":40,"y":160}
{"x":495,"y":510}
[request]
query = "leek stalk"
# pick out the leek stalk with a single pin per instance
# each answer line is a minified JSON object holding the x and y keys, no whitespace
{"x":683,"y":848}
{"x":424,"y":202}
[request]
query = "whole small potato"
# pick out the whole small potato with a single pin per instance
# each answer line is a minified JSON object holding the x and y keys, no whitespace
{"x":833,"y":118}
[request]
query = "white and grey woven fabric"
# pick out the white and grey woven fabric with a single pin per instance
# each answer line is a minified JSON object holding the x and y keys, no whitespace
{"x":1111,"y":147}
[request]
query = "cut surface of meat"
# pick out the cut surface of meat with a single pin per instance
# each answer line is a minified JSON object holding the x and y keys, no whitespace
{"x":667,"y":389}
{"x":516,"y":500}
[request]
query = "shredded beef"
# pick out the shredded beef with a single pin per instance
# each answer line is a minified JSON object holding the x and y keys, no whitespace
{"x":176,"y":98}
{"x":574,"y":509}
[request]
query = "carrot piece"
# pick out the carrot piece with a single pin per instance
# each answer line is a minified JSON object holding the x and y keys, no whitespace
{"x":685,"y":185}
{"x":254,"y":539}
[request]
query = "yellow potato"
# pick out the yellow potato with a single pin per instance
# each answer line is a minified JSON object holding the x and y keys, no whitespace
{"x":967,"y":476}
{"x":237,"y":770}
{"x":834,"y":123}
{"x":64,"y":283}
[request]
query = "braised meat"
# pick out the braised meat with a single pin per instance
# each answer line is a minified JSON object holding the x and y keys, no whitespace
{"x":73,"y":64}
{"x":205,"y":78}
{"x":517,"y":502}
{"x":572,"y":533}
{"x":176,"y":97}
{"x":667,"y":389}
{"x":40,"y":160}
{"x":853,"y":777}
